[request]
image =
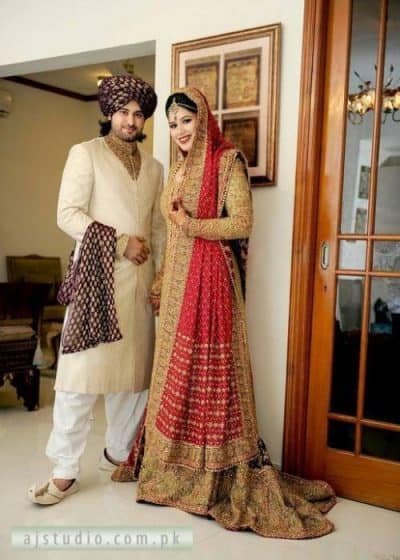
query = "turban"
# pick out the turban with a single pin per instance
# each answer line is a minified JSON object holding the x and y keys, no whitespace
{"x":117,"y":91}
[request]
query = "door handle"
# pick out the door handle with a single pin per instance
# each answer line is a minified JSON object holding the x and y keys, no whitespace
{"x":324,"y":260}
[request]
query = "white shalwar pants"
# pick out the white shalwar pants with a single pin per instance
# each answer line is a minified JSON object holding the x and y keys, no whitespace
{"x":71,"y":426}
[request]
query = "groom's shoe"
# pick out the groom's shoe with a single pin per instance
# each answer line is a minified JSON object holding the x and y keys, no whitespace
{"x":49,"y":494}
{"x":105,"y":463}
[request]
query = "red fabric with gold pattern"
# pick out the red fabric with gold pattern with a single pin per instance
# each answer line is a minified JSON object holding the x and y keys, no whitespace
{"x":200,"y":403}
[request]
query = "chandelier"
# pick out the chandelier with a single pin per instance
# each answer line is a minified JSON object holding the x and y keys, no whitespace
{"x":358,"y":104}
{"x":127,"y":67}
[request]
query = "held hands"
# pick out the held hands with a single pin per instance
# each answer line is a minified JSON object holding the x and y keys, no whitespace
{"x":155,"y":292}
{"x":136,"y":250}
{"x":177,"y":214}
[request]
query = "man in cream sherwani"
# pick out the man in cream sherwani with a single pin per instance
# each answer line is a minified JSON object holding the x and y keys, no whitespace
{"x":112,"y":181}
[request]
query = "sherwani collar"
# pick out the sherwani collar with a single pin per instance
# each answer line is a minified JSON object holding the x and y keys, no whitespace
{"x":127,"y":152}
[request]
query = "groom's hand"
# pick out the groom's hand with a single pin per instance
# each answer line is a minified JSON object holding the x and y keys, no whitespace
{"x":136,"y":250}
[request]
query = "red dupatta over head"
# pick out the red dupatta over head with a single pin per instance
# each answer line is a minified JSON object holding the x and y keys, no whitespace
{"x":199,"y":404}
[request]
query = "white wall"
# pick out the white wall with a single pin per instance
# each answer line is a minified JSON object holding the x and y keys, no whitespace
{"x":66,"y":30}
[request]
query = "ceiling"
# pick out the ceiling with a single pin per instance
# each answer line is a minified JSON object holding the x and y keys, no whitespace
{"x":83,"y":79}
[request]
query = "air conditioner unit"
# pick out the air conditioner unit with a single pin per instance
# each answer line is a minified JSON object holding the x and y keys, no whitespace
{"x":5,"y":103}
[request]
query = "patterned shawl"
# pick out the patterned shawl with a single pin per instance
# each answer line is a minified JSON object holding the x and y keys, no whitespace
{"x":88,"y":290}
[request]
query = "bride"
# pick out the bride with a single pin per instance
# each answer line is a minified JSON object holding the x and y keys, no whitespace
{"x":199,"y":449}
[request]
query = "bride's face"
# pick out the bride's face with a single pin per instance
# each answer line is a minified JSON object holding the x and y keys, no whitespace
{"x":182,"y":125}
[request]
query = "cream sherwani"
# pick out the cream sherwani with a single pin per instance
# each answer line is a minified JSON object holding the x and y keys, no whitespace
{"x":97,"y":186}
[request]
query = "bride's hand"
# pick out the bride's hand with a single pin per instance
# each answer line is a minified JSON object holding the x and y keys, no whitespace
{"x":177,"y":214}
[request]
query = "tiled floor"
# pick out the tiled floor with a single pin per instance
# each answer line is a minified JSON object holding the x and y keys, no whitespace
{"x":362,"y":532}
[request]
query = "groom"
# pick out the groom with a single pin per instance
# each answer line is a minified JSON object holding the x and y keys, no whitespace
{"x":109,"y":203}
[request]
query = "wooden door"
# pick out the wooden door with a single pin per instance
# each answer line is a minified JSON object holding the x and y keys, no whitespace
{"x":353,"y":416}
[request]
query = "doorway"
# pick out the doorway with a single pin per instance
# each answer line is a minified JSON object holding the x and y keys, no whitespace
{"x":342,"y":415}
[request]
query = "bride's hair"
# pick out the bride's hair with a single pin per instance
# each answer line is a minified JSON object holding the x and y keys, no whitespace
{"x":182,"y":100}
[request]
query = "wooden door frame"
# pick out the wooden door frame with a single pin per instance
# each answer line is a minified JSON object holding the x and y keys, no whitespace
{"x":304,"y":233}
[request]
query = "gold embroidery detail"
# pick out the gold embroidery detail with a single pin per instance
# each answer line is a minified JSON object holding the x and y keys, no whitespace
{"x":127,"y":153}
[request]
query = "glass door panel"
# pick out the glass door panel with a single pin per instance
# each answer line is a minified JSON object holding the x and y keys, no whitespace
{"x":387,"y":215}
{"x":346,"y":350}
{"x":382,"y":385}
{"x":361,"y":88}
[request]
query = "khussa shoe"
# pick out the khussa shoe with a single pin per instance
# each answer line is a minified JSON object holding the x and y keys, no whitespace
{"x":49,"y":494}
{"x":105,"y":464}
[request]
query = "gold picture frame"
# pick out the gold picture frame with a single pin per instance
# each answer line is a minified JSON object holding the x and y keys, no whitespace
{"x":239,"y":74}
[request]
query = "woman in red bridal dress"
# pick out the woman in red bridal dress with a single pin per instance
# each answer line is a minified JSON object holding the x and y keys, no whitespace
{"x":199,"y":449}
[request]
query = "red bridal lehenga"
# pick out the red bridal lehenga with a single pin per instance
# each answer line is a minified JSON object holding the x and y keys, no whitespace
{"x":198,"y":448}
